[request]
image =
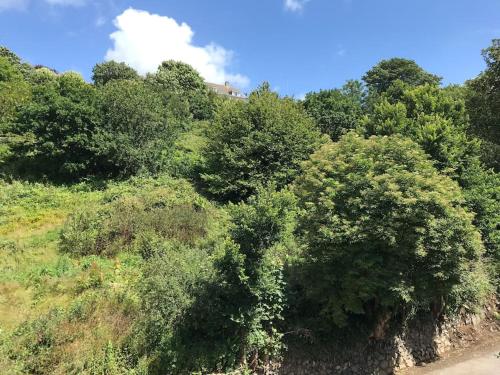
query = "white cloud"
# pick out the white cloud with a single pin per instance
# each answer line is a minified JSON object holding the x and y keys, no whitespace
{"x":13,"y":4}
{"x":23,"y":4}
{"x":75,"y":3}
{"x":143,"y":40}
{"x":295,"y":5}
{"x":100,"y":21}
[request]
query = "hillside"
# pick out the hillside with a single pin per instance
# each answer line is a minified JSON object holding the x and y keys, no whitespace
{"x":148,"y":226}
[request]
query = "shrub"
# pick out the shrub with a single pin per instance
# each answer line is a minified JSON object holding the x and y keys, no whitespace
{"x":134,"y":216}
{"x":252,"y":273}
{"x":385,"y":232}
{"x":165,"y":332}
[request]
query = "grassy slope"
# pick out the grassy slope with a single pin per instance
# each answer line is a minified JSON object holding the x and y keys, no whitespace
{"x":36,"y":280}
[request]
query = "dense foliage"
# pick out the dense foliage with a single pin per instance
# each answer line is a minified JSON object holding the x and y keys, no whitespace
{"x":483,"y":104}
{"x":336,"y":111}
{"x":385,"y":73}
{"x":57,"y":126}
{"x":111,"y":70}
{"x":137,"y":130}
{"x":253,"y":143}
{"x":115,"y":261}
{"x":180,"y":79}
{"x":385,"y":233}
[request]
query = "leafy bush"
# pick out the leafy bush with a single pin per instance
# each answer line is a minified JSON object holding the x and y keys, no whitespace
{"x":253,"y":272}
{"x":165,"y":333}
{"x":385,"y":232}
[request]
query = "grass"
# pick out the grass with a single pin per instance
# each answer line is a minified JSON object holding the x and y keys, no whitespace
{"x":65,"y":313}
{"x":35,"y":278}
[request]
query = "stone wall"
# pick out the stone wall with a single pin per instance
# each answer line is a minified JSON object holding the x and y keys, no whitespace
{"x":422,"y":341}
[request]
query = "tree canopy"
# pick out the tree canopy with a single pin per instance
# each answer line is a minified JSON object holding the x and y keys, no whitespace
{"x":137,"y":130}
{"x":386,"y":72}
{"x":253,"y":143}
{"x":336,"y":111}
{"x":384,"y":230}
{"x":483,"y":104}
{"x":112,"y":70}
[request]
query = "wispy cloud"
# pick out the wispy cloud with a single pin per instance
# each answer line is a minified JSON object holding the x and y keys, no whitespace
{"x":74,"y":3}
{"x":13,"y":4}
{"x":143,"y":40}
{"x":23,"y":4}
{"x":100,"y":21}
{"x":295,"y":5}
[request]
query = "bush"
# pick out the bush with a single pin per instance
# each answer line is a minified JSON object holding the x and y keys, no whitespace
{"x":252,"y":144}
{"x":128,"y":219}
{"x":385,"y":232}
{"x":252,"y":273}
{"x":172,"y":281}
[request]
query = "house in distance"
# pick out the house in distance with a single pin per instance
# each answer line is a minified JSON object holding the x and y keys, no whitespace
{"x":226,"y":90}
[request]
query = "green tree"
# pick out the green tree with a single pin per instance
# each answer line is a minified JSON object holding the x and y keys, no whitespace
{"x":112,"y":70}
{"x":137,"y":130}
{"x":15,"y":60}
{"x":57,"y":126}
{"x":483,"y":105}
{"x":336,"y":111}
{"x":385,"y":232}
{"x":252,"y":143}
{"x":175,"y":78}
{"x":482,"y":193}
{"x":434,"y":118}
{"x":437,"y":120}
{"x":14,"y":91}
{"x":386,"y":72}
{"x":252,"y":272}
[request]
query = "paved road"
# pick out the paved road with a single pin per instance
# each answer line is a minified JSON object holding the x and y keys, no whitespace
{"x":473,"y":361}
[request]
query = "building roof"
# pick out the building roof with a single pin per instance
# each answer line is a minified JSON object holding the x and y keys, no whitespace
{"x":226,"y":89}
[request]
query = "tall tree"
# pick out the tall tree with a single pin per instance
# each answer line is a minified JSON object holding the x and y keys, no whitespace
{"x":112,"y":70}
{"x":385,"y":232}
{"x":385,"y":73}
{"x":57,"y":124}
{"x":255,"y":142}
{"x":175,"y":78}
{"x":336,"y":111}
{"x":483,"y":105}
{"x":137,"y":129}
{"x":434,"y":118}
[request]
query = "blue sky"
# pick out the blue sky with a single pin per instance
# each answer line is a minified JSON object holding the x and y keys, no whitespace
{"x":298,"y":46}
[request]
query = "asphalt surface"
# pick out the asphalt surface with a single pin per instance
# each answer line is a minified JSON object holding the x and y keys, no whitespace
{"x":480,"y":360}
